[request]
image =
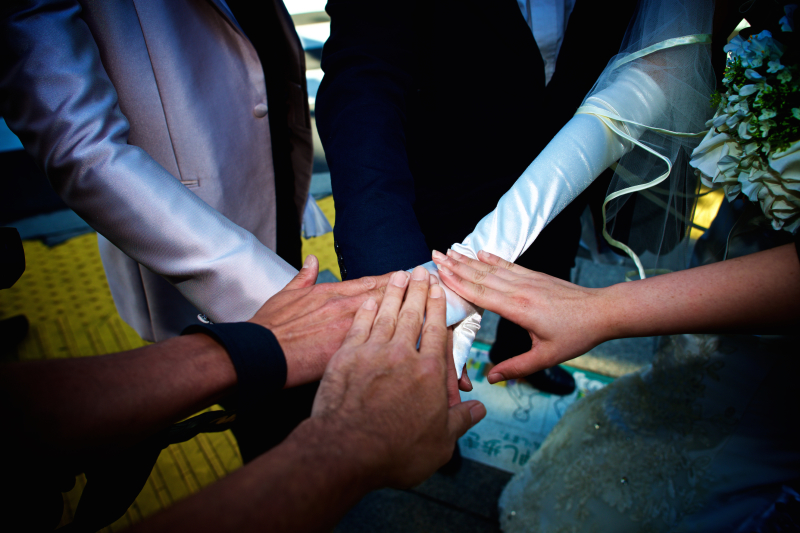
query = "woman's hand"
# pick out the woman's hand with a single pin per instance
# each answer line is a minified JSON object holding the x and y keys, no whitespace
{"x":564,"y":320}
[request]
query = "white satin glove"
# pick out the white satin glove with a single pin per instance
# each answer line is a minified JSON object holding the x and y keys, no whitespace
{"x":579,"y":153}
{"x":465,"y":315}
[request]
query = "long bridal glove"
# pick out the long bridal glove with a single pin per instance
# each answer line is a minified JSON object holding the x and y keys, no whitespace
{"x":582,"y":150}
{"x":464,"y":315}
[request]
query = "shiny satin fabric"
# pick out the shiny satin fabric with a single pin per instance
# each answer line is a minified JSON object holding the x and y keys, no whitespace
{"x":150,"y":119}
{"x":464,"y":315}
{"x":582,"y":150}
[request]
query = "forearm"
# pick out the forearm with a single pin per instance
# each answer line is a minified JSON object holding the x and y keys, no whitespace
{"x":758,"y":293}
{"x":306,"y":483}
{"x":58,"y":98}
{"x":77,"y":406}
{"x":574,"y":158}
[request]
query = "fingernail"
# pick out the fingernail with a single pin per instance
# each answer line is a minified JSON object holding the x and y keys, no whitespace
{"x":307,"y":262}
{"x":436,"y":291}
{"x":400,"y":279}
{"x":439,"y":255}
{"x":443,"y":269}
{"x":495,"y":378}
{"x":434,"y":280}
{"x":466,"y":378}
{"x":370,"y":304}
{"x":419,"y":273}
{"x":477,"y":412}
{"x":454,"y":254}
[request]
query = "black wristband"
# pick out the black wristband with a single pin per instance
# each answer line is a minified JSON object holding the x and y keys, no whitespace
{"x":256,"y":355}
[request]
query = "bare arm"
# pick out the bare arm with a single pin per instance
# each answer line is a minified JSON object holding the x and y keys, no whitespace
{"x":82,"y":406}
{"x":758,"y":293}
{"x":380,"y":418}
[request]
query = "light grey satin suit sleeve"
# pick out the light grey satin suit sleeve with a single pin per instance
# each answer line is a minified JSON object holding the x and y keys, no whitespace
{"x":129,"y":104}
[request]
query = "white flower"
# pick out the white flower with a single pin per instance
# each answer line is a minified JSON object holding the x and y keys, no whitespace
{"x":764,"y":46}
{"x":751,"y":74}
{"x":765,"y":125}
{"x":743,"y":129}
{"x":738,"y":47}
{"x":796,"y":113}
{"x":787,"y":22}
{"x":767,"y":114}
{"x":784,"y":76}
{"x":771,"y":181}
{"x":747,"y":90}
{"x":774,"y":66}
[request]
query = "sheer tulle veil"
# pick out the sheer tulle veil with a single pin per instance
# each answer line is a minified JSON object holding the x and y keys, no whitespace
{"x":646,"y":211}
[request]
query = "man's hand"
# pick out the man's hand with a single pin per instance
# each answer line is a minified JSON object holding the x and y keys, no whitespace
{"x":310,"y":321}
{"x":563,"y":320}
{"x":388,"y":399}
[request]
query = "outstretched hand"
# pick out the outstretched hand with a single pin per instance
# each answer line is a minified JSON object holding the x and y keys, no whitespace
{"x":310,"y":321}
{"x":562,"y":319}
{"x":390,"y":397}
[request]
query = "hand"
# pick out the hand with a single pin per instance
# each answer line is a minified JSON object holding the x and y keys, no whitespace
{"x":388,"y":399}
{"x":563,"y":320}
{"x":310,"y":321}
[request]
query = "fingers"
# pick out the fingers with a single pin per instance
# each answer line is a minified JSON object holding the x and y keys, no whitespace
{"x":362,"y":324}
{"x":473,"y":271}
{"x":501,"y":264}
{"x":453,"y":396}
{"x":489,"y":293}
{"x":373,"y":284}
{"x":481,"y":268}
{"x":412,"y":312}
{"x":464,"y":382}
{"x":517,"y":367}
{"x":307,"y":275}
{"x":463,"y":416}
{"x":386,"y":321}
{"x":434,"y":333}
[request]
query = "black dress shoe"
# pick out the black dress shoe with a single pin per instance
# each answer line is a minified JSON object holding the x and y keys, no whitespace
{"x":554,"y":380}
{"x":513,"y":340}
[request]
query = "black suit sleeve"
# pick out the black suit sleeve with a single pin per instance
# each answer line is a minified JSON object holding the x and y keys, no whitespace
{"x":362,"y":111}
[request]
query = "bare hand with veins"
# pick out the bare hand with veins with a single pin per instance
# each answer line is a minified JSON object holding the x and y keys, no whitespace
{"x":310,"y":321}
{"x":381,"y":385}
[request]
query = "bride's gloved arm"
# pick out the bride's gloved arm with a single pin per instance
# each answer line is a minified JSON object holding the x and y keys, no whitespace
{"x":579,"y":153}
{"x":758,"y":293}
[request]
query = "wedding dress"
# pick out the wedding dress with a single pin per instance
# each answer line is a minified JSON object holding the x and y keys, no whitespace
{"x":703,"y":439}
{"x":645,"y":111}
{"x":700,"y":441}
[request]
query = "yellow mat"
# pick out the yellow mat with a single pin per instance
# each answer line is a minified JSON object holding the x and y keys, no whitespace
{"x":66,"y":298}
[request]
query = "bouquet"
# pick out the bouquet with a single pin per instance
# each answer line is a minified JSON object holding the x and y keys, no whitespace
{"x":753,"y":144}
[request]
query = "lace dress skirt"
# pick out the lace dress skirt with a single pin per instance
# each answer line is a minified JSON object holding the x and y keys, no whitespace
{"x":700,"y":441}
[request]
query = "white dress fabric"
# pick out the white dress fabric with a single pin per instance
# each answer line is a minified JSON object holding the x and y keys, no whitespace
{"x":700,"y":441}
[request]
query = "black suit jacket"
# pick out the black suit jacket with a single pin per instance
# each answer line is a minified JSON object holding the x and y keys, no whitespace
{"x":431,"y":109}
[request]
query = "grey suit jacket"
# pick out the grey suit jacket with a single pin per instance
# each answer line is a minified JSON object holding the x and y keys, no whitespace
{"x":150,"y":119}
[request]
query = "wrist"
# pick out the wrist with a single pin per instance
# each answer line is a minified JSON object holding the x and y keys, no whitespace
{"x":346,"y":455}
{"x":211,"y":361}
{"x":613,"y":320}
